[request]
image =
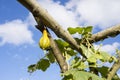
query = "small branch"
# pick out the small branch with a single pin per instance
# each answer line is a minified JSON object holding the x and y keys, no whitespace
{"x":114,"y":68}
{"x":110,"y":32}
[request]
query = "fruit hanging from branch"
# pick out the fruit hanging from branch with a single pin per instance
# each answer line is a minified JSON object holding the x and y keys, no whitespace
{"x":44,"y":42}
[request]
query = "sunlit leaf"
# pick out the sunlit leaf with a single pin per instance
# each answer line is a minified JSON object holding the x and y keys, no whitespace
{"x":76,"y":63}
{"x":81,"y":75}
{"x":61,"y":44}
{"x":80,"y":30}
{"x":67,"y":56}
{"x":75,"y":60}
{"x":75,"y":30}
{"x":87,"y":51}
{"x":88,"y":29}
{"x":93,"y":58}
{"x":105,"y":56}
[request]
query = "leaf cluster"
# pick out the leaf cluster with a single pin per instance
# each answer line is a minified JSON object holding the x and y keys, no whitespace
{"x":43,"y":63}
{"x":79,"y":67}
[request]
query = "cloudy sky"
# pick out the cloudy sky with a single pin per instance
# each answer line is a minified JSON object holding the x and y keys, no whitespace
{"x":19,"y":38}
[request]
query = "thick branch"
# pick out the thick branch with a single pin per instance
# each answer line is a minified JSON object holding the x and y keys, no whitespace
{"x":110,"y":32}
{"x":114,"y":68}
{"x":41,"y":13}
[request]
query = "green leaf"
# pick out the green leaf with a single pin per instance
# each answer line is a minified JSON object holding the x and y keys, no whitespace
{"x":75,"y":60}
{"x":67,"y":56}
{"x":103,"y":70}
{"x":87,"y":51}
{"x":51,"y":57}
{"x":32,"y":68}
{"x":61,"y":44}
{"x":80,"y":30}
{"x":75,"y":30}
{"x":88,"y":29}
{"x":78,"y":40}
{"x":93,"y":58}
{"x":76,"y":63}
{"x":105,"y":56}
{"x":43,"y":64}
{"x":69,"y":77}
{"x":82,"y":65}
{"x":81,"y":75}
{"x":70,"y":51}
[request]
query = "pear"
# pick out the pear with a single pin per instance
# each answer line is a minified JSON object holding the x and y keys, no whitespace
{"x":44,"y":42}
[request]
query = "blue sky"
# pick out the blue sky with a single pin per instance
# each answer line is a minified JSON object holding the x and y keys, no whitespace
{"x":19,"y":38}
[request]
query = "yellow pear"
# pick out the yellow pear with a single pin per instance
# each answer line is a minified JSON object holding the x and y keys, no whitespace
{"x":44,"y":42}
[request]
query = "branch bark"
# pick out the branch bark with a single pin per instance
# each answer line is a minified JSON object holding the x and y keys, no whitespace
{"x":110,"y":32}
{"x":59,"y":57}
{"x":114,"y":68}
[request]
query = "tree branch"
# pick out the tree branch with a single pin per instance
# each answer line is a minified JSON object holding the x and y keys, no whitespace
{"x":41,"y":13}
{"x":58,"y":55}
{"x":110,"y":32}
{"x":114,"y":68}
{"x":56,"y":52}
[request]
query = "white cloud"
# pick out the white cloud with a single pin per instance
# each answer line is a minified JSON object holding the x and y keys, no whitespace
{"x":15,"y":32}
{"x":111,"y":48}
{"x":30,"y":21}
{"x":60,"y":13}
{"x":102,"y":13}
